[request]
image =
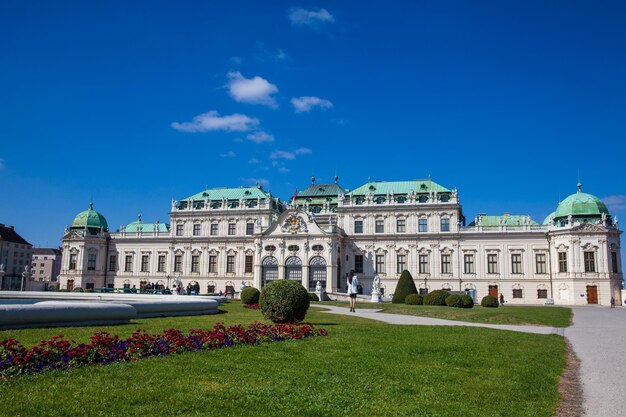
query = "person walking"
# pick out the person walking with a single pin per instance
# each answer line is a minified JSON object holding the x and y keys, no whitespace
{"x":501,"y":299}
{"x":353,"y":283}
{"x":612,"y":302}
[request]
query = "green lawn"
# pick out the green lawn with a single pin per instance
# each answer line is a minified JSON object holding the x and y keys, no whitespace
{"x":537,"y":315}
{"x":364,"y":368}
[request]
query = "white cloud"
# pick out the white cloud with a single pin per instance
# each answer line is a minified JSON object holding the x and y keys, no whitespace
{"x":302,"y":17}
{"x":284,"y":170}
{"x":229,"y":154}
{"x":261,"y":181}
{"x":254,"y":161}
{"x":615,"y":202}
{"x":306,"y":103}
{"x":283,"y":155}
{"x":303,"y":151}
{"x":211,"y":120}
{"x":260,"y":137}
{"x":255,"y":90}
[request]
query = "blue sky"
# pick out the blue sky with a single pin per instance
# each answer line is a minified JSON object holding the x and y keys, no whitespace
{"x":135,"y":103}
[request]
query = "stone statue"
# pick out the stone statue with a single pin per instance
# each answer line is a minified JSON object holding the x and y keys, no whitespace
{"x":603,"y":219}
{"x":454,"y":193}
{"x":1,"y":267}
{"x":376,"y":285}
{"x":173,"y":204}
{"x":318,"y":286}
{"x":615,"y":222}
{"x":569,"y":220}
{"x":242,"y":286}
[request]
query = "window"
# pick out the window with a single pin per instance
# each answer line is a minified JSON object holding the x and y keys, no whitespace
{"x":128,"y":263}
{"x":423,"y":264}
{"x":423,"y":291}
{"x":590,"y":262}
{"x":445,"y":263}
{"x":614,"y":262}
{"x":516,"y":263}
{"x":212,"y":263}
{"x":401,"y":262}
{"x":540,"y":263}
{"x":380,"y":226}
{"x":445,"y":225}
{"x":358,"y":226}
{"x":249,"y":228}
{"x":178,"y":263}
{"x":423,"y":225}
{"x":144,"y":263}
{"x":380,"y":264}
{"x":196,"y":229}
{"x":91,"y":262}
{"x":468,"y":267}
{"x":112,"y":263}
{"x":213,"y":229}
{"x":72,"y":261}
{"x":161,"y":264}
{"x":231,"y":229}
{"x":358,"y":264}
{"x":230,"y":263}
{"x":517,"y":293}
{"x":179,"y":229}
{"x":492,"y":263}
{"x":400,"y":226}
{"x":542,"y":293}
{"x":248,"y":269}
{"x":562,"y":261}
{"x":89,"y":286}
{"x":195,"y":263}
{"x":41,"y":265}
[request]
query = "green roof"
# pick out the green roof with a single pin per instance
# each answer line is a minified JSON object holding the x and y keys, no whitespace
{"x":138,"y":225}
{"x":399,"y":187}
{"x":549,"y":218}
{"x":322,"y":190}
{"x":504,"y":220}
{"x":581,"y":204}
{"x":90,"y":219}
{"x":229,"y":194}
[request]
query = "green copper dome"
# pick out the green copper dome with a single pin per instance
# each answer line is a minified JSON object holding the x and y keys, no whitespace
{"x":581,"y":205}
{"x":90,"y":219}
{"x":549,"y":218}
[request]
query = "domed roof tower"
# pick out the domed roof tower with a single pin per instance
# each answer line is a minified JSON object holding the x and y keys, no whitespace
{"x":581,"y":206}
{"x":91,"y":220}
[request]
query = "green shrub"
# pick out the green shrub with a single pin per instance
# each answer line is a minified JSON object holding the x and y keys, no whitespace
{"x":404,"y":287}
{"x":468,"y":302}
{"x":454,"y":300}
{"x":284,"y":301}
{"x":436,"y":298}
{"x":313,"y":297}
{"x":414,"y":300}
{"x":489,"y":301}
{"x":250,"y":295}
{"x":78,"y":289}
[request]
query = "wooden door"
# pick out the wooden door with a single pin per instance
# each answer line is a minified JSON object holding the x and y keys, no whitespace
{"x":493,"y":291}
{"x":70,"y":285}
{"x":592,"y":294}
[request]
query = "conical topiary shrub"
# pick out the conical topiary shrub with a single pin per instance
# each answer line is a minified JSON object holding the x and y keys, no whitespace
{"x":405,"y":287}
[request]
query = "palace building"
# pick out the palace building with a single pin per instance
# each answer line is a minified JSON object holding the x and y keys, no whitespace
{"x":222,"y":236}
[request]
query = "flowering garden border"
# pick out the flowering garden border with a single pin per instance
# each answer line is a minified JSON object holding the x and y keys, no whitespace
{"x":59,"y":353}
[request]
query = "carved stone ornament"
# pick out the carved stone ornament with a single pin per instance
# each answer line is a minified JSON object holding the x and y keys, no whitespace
{"x":588,"y":227}
{"x":294,"y":224}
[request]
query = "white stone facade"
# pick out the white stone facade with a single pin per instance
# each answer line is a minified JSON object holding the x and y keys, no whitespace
{"x":219,"y":247}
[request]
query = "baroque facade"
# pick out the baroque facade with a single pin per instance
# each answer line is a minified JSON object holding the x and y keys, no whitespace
{"x":223,"y":236}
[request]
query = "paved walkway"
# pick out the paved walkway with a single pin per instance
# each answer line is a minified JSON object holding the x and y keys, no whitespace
{"x":598,"y":337}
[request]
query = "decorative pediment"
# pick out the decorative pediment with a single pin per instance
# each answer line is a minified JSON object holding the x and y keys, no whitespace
{"x":423,"y":251}
{"x":195,"y":252}
{"x":402,"y":251}
{"x":231,"y":252}
{"x":213,"y":252}
{"x":179,"y":252}
{"x":589,"y":227}
{"x":589,"y":247}
{"x":249,"y":252}
{"x":562,"y":248}
{"x":294,"y":224}
{"x":92,"y":250}
{"x":73,"y":251}
{"x":446,"y":250}
{"x":380,"y":251}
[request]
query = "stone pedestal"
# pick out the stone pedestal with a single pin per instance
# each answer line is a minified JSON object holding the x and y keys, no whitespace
{"x":376,"y":298}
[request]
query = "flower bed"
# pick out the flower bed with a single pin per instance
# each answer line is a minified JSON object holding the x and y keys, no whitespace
{"x":58,"y":353}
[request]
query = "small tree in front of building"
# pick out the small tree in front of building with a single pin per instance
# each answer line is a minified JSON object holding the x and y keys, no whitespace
{"x":405,"y":286}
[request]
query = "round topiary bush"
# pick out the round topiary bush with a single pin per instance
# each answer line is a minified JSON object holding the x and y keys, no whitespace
{"x":414,"y":300}
{"x":313,"y":297}
{"x":436,"y":298}
{"x":454,"y":300}
{"x":250,"y":295}
{"x":489,"y":301}
{"x":405,"y":286}
{"x":284,"y":301}
{"x":468,"y":302}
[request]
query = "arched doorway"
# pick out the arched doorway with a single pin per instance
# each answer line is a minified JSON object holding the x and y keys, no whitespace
{"x":293,"y":269}
{"x":317,"y":272}
{"x":269,"y":270}
{"x":592,"y":294}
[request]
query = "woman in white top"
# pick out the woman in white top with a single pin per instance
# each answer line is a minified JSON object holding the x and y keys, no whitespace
{"x":353,"y":283}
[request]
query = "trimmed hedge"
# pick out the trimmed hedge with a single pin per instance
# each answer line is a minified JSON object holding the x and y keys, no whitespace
{"x":489,"y":301}
{"x":250,"y":295}
{"x":414,"y":300}
{"x":436,"y":298}
{"x":468,"y":302}
{"x":405,"y":286}
{"x":313,"y":297}
{"x":284,"y":301}
{"x":454,"y":300}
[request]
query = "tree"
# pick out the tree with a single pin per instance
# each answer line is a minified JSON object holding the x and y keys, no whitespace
{"x":405,"y":287}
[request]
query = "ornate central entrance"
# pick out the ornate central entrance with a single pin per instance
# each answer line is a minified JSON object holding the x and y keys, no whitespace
{"x":293,"y":269}
{"x":317,"y":272}
{"x":269,"y":270}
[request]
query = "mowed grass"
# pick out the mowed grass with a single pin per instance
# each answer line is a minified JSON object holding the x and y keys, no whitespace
{"x":363,"y":368}
{"x":535,"y":315}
